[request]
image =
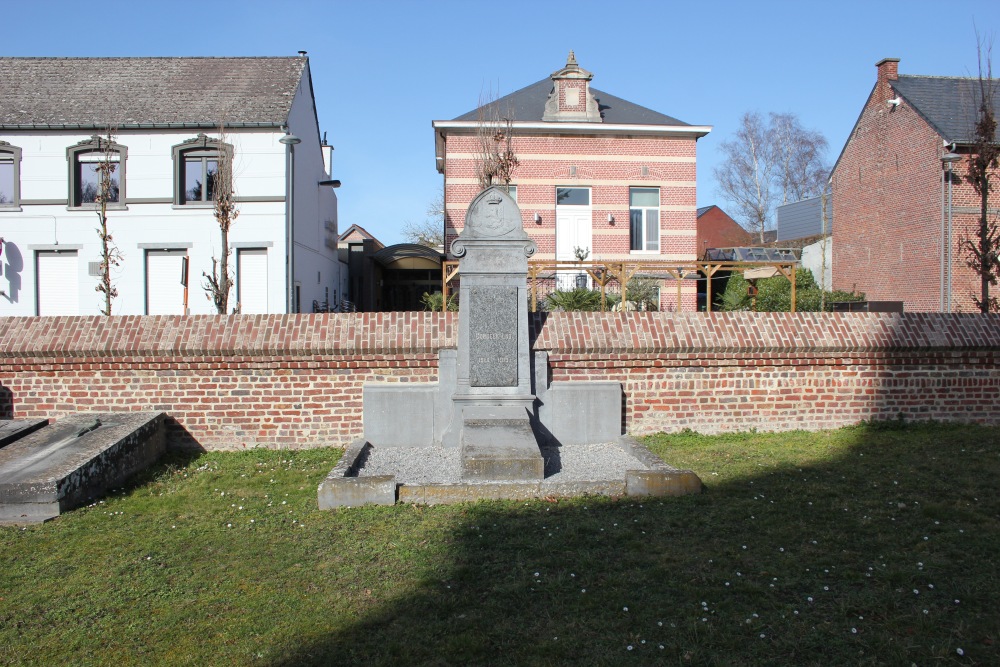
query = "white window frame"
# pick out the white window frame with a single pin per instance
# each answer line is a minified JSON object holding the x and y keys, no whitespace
{"x":645,"y":245}
{"x":90,"y":151}
{"x":12,"y":155}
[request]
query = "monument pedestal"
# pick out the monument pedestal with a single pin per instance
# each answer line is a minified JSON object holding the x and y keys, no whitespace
{"x":493,"y":423}
{"x":496,"y":438}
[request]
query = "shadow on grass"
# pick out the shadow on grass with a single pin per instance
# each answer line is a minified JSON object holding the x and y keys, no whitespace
{"x":873,"y":546}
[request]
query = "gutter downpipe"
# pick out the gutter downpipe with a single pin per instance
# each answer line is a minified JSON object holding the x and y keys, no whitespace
{"x":944,"y":241}
{"x":290,"y":140}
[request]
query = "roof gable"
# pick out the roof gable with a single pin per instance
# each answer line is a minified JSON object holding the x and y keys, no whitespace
{"x":948,"y":104}
{"x":147,"y":92}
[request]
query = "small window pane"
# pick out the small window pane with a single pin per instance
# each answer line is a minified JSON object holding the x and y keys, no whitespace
{"x":644,"y":197}
{"x":88,"y":178}
{"x":512,"y":191}
{"x":194,"y":180}
{"x":652,"y":229}
{"x":635,"y":228}
{"x":213,"y":169}
{"x":88,"y":183}
{"x":6,"y":181}
{"x":573,"y":196}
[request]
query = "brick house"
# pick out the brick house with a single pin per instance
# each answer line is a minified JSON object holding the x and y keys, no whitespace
{"x":717,"y":230}
{"x":595,"y":172}
{"x":893,"y":240}
{"x":164,"y":115}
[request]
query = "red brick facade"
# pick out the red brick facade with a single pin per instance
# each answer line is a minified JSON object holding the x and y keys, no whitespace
{"x":289,"y":381}
{"x":888,"y":204}
{"x":607,"y":158}
{"x":717,"y":230}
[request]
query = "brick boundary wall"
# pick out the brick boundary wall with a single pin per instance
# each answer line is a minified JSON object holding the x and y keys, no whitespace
{"x":296,"y":380}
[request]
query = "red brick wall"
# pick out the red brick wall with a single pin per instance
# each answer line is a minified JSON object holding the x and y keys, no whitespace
{"x":717,"y":230}
{"x":608,"y":166}
{"x":887,"y":204}
{"x":296,"y":380}
{"x":226,"y":382}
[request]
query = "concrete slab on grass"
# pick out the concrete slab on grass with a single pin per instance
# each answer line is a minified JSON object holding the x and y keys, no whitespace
{"x":74,"y":461}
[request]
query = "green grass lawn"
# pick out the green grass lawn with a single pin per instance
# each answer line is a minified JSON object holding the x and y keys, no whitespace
{"x":859,"y":546}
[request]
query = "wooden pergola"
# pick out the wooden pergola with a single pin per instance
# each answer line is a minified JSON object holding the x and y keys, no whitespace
{"x":621,"y":271}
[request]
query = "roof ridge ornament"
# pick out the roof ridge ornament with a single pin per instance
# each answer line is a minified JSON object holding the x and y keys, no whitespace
{"x":571,"y":60}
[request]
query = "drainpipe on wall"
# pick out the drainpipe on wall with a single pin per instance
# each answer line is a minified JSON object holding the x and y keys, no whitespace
{"x":290,"y":141}
{"x":948,"y":160}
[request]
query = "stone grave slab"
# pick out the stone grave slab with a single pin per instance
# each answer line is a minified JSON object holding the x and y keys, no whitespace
{"x":74,"y":461}
{"x":14,"y":429}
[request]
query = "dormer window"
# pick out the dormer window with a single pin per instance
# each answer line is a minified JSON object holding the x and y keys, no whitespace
{"x":10,"y":176}
{"x":88,"y":161}
{"x":196,"y":167}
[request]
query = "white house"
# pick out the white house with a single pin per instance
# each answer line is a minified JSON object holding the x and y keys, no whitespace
{"x":164,"y":116}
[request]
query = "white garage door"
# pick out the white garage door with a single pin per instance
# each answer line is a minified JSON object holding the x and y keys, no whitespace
{"x":58,"y":283}
{"x":164,"y":292}
{"x":252,"y":280}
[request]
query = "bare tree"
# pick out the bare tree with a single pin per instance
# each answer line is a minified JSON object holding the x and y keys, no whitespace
{"x":801,"y":171}
{"x":770,"y":161}
{"x":218,"y":285}
{"x":745,"y":176}
{"x":430,"y":232}
{"x":496,"y":159}
{"x":107,"y":191}
{"x":984,"y":158}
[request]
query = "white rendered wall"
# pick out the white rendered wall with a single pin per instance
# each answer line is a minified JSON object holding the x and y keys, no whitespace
{"x":317,"y":268}
{"x":812,"y":259}
{"x":152,"y":221}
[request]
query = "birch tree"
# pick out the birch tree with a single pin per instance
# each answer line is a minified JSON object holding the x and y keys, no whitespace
{"x":767,"y":162}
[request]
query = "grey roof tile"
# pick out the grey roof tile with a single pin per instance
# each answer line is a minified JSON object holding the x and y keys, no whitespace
{"x":949,"y":104}
{"x":528,"y":105}
{"x":144,"y":92}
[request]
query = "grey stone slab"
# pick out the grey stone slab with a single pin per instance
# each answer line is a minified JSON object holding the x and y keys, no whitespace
{"x":399,"y":415}
{"x":432,"y":475}
{"x":493,"y":337}
{"x":14,"y":429}
{"x":356,"y":491}
{"x":500,"y":450}
{"x":662,"y":483}
{"x":581,"y":412}
{"x":76,"y":460}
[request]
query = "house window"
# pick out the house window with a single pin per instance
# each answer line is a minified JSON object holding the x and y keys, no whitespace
{"x":196,"y":167}
{"x":512,"y":191}
{"x":10,"y":176}
{"x":573,"y":196}
{"x":87,"y":161}
{"x":644,"y":219}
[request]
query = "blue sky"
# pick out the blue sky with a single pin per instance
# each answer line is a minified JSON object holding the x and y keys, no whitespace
{"x":384,"y":69}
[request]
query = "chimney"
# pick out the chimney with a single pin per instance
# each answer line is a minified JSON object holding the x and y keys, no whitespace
{"x":888,"y":69}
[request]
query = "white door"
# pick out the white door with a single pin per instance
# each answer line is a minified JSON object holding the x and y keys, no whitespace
{"x":574,"y":230}
{"x":251,"y":279}
{"x":164,"y":291}
{"x":58,"y":283}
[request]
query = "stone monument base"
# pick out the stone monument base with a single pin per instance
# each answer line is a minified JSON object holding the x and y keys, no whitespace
{"x":368,"y":474}
{"x":500,"y":450}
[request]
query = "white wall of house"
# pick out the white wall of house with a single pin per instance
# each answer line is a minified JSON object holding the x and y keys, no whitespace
{"x":317,"y":269}
{"x":812,"y":259}
{"x":150,"y":221}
